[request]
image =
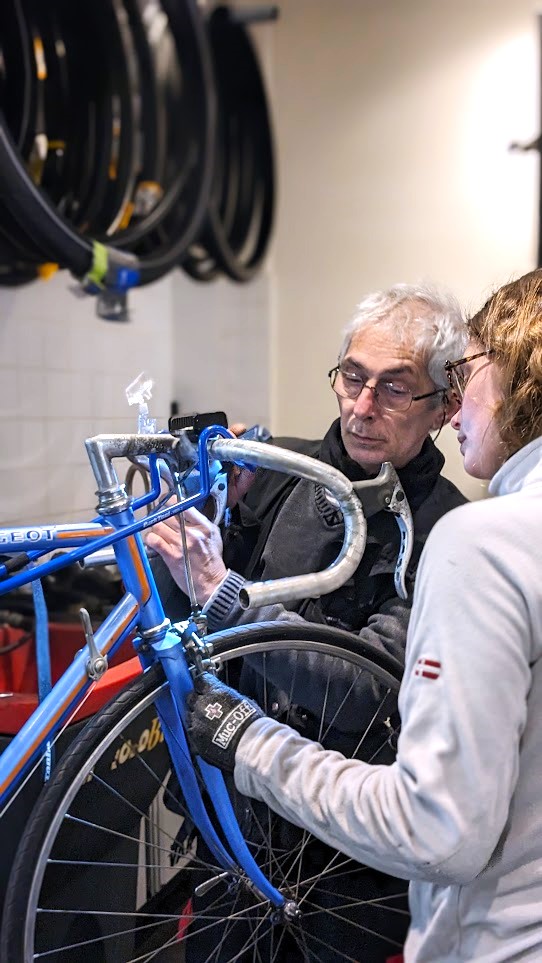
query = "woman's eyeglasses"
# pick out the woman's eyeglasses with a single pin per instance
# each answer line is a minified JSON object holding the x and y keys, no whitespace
{"x":457,"y":376}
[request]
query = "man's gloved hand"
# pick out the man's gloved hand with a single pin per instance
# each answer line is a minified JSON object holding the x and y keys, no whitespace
{"x":217,"y":717}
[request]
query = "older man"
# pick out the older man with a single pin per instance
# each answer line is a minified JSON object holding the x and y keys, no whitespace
{"x":392,"y":392}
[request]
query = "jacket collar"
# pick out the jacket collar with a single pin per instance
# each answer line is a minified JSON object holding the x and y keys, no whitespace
{"x":418,"y":478}
{"x":521,"y":469}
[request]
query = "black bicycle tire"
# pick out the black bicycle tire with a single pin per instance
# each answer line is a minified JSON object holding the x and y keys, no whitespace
{"x":173,"y":224}
{"x":152,"y":119}
{"x":29,"y":205}
{"x":328,"y":634}
{"x":16,"y":275}
{"x":50,"y":804}
{"x":35,"y":86}
{"x":101,"y":195}
{"x":198,"y":264}
{"x":55,"y":236}
{"x":123,"y":75}
{"x":15,"y":244}
{"x":22,"y":56}
{"x":161,"y":127}
{"x":54,"y":102}
{"x":235,"y":58}
{"x":54,"y":178}
{"x":87,"y":114}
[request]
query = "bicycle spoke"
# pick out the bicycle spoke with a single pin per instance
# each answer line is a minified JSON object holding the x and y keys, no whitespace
{"x":312,"y":938}
{"x":356,"y":925}
{"x":93,"y":941}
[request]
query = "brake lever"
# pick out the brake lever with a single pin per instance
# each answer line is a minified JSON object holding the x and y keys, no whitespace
{"x":219,"y":489}
{"x":385,"y":492}
{"x":219,"y":496}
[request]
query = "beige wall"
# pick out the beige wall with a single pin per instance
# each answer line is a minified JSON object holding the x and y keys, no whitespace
{"x":393,"y":123}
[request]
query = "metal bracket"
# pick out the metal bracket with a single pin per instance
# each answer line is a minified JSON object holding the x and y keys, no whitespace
{"x":97,"y":663}
{"x":195,"y":647}
{"x":385,"y":493}
{"x":208,"y":884}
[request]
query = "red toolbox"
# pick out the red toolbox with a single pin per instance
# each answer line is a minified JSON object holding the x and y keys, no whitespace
{"x":18,"y":675}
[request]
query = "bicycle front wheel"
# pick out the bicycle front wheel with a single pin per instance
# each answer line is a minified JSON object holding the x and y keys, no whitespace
{"x":111,"y":870}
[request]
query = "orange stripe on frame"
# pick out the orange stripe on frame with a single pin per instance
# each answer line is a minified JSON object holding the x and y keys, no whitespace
{"x":140,"y":571}
{"x":86,"y":533}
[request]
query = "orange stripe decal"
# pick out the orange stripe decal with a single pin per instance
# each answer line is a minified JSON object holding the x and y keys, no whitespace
{"x":86,"y":533}
{"x":140,"y":571}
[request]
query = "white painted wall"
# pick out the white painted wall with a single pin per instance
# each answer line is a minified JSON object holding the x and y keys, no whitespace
{"x":393,"y":121}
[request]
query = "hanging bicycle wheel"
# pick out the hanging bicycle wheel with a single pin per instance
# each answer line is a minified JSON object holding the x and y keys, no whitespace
{"x":236,"y":234}
{"x":85,"y":226}
{"x":111,"y":869}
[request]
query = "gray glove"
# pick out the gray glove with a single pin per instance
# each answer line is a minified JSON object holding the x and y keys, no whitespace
{"x":216,"y":718}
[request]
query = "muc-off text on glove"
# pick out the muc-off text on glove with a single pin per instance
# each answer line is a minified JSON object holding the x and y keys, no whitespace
{"x":217,"y":717}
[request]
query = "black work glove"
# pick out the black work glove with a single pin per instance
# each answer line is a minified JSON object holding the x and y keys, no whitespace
{"x":216,"y":718}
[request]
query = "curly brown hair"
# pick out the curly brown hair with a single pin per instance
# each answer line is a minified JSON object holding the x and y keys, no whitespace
{"x":510,"y":325}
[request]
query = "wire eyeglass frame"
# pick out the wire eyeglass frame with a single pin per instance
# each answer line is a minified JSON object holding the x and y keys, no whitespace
{"x":401,"y":402}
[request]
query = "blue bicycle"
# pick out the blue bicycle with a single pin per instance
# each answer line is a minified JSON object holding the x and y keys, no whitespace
{"x":135,"y":851}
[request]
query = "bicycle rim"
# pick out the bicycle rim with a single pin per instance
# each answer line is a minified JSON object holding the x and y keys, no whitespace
{"x":110,"y":869}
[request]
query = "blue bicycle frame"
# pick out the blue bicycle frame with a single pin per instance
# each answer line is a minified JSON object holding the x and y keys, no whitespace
{"x":140,"y":607}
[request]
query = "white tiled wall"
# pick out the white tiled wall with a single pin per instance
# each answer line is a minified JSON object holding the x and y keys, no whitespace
{"x":221,"y":338}
{"x":63,"y":373}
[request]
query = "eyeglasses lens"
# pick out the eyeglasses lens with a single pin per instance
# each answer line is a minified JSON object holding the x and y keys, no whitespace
{"x":388,"y":396}
{"x":458,"y":381}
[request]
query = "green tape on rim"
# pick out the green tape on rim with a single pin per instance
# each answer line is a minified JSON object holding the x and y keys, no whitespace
{"x":98,"y":268}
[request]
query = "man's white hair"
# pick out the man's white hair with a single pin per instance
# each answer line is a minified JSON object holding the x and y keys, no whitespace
{"x":426,"y":318}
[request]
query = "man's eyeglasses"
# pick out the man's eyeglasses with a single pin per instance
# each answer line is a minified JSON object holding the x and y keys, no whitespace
{"x":457,"y":377}
{"x":391,"y":397}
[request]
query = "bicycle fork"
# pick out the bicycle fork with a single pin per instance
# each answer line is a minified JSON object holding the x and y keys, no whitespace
{"x":237,"y":862}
